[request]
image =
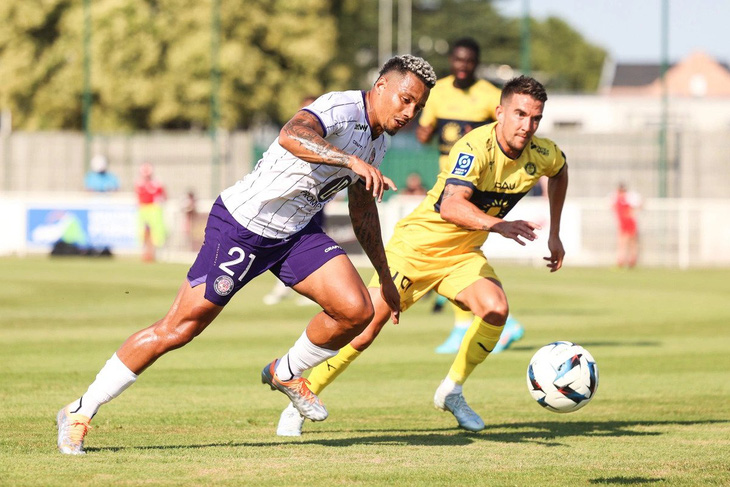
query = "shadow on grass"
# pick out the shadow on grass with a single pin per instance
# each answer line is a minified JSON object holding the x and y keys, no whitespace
{"x":621,"y":344}
{"x":589,"y":345}
{"x":624,"y":480}
{"x":545,"y":433}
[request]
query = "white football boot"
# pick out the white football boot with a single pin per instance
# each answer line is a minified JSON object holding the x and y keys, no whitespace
{"x":456,"y":405}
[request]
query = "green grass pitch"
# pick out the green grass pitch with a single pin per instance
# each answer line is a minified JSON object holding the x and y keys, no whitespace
{"x":200,"y":415}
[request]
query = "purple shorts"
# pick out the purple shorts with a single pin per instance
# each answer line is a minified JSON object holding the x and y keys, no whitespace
{"x":231,"y":255}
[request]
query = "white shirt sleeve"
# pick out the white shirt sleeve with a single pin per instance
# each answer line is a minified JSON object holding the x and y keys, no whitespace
{"x":335,"y":111}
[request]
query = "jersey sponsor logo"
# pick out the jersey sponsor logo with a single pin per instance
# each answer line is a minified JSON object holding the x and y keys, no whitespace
{"x":333,"y":187}
{"x":530,"y":168}
{"x":463,"y":164}
{"x":496,"y":207}
{"x":361,"y":127}
{"x":505,"y":185}
{"x":496,"y":203}
{"x":451,"y":130}
{"x":311,"y":199}
{"x":223,"y":285}
{"x":450,"y":133}
{"x":331,"y":248}
{"x":540,"y":150}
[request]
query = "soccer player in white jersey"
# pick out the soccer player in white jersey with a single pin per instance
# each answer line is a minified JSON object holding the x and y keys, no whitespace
{"x":263,"y":222}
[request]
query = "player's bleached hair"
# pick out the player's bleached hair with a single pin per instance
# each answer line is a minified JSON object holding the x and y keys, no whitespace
{"x":414,"y":64}
{"x":523,"y":85}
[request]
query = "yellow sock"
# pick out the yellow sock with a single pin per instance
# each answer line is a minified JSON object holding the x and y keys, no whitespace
{"x":323,"y":374}
{"x":479,"y":341}
{"x":462,"y":316}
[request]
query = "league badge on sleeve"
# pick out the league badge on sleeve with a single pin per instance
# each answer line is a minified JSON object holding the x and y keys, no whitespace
{"x":463,"y":164}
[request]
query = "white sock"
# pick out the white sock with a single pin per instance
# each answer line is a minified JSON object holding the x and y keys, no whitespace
{"x":111,"y":381}
{"x":449,"y":387}
{"x":302,"y":356}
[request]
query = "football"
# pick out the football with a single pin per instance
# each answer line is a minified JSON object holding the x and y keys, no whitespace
{"x":562,"y":377}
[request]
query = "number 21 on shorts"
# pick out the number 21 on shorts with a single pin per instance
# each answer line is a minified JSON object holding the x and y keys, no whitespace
{"x":240,"y":256}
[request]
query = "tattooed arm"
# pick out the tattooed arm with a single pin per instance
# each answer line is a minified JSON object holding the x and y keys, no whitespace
{"x":457,"y":209}
{"x":366,"y":224}
{"x":303,"y":136}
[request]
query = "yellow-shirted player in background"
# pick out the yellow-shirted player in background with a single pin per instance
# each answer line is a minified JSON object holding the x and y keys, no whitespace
{"x":438,"y":246}
{"x":458,"y":104}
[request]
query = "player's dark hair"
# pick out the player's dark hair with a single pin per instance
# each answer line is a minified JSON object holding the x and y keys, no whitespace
{"x":468,"y":43}
{"x":523,"y":85}
{"x":413,"y":64}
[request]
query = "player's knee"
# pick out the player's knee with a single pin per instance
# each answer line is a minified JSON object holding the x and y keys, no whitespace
{"x":496,"y":318}
{"x":356,"y":314}
{"x":363,"y":315}
{"x":493,"y":310}
{"x":171,"y":336}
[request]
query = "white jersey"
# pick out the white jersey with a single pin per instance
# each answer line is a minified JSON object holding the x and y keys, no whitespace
{"x":283,"y":192}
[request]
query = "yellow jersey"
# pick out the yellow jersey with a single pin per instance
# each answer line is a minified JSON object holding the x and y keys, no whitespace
{"x":498,"y":182}
{"x":453,"y":112}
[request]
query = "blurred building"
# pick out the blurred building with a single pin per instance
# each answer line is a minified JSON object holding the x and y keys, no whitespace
{"x":697,"y":76}
{"x":630,"y":98}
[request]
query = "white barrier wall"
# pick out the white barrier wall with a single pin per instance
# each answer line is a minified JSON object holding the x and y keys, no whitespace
{"x":34,"y":222}
{"x":673,"y":232}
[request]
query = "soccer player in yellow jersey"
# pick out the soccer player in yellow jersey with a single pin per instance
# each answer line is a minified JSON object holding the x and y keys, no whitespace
{"x":438,"y":246}
{"x":458,"y":104}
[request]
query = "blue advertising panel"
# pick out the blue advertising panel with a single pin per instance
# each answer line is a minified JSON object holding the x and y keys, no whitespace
{"x":113,"y":226}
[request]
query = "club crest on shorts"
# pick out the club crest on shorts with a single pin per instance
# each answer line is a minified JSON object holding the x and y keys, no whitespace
{"x":463,"y":164}
{"x":223,"y":285}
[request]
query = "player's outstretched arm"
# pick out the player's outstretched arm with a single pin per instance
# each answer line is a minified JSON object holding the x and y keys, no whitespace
{"x":457,"y":209}
{"x":366,"y":224}
{"x":303,"y":136}
{"x":557,"y":189}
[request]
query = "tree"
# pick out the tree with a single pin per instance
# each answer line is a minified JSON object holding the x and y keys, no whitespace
{"x":151,"y":61}
{"x":561,"y":58}
{"x":41,"y":60}
{"x":571,"y":63}
{"x":274,"y":54}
